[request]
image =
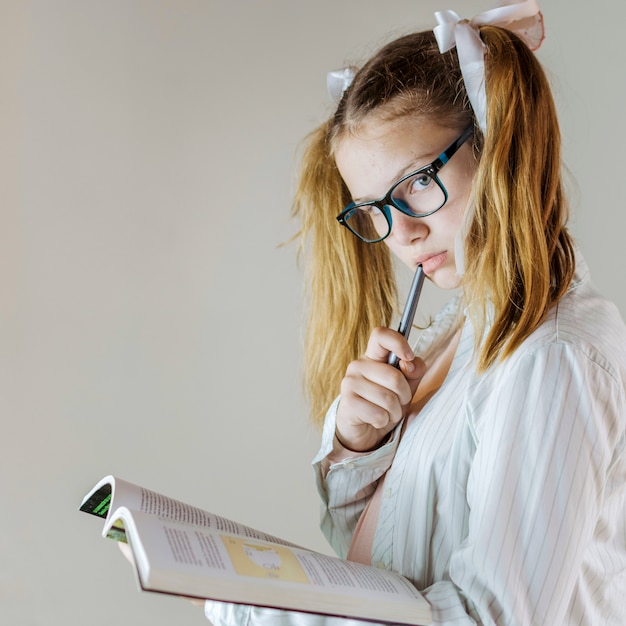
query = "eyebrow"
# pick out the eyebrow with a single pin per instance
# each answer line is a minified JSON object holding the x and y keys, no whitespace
{"x":400,"y":174}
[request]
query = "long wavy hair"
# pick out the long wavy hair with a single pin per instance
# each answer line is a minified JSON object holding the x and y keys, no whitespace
{"x":519,"y":257}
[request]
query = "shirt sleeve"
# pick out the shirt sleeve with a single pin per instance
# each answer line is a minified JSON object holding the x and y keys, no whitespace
{"x":547,"y":435}
{"x":346,"y":485}
{"x":226,"y":614}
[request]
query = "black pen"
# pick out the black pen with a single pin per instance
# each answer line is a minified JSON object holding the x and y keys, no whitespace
{"x":406,"y":321}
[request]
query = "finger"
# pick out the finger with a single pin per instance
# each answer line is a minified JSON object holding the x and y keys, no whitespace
{"x":383,"y":341}
{"x":359,"y":428}
{"x":375,"y":406}
{"x":414,"y":372}
{"x":126,"y":551}
{"x":376,"y":381}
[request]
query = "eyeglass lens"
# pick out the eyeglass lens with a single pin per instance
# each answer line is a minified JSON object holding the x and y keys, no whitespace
{"x":417,"y":195}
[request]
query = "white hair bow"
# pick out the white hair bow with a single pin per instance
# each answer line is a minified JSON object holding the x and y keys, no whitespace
{"x":338,"y":81}
{"x":521,"y":17}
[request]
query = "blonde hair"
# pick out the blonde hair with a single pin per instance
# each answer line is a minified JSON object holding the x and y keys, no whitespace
{"x":519,"y":256}
{"x":352,"y":288}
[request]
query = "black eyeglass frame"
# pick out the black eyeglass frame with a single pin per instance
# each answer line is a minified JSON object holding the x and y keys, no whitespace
{"x":432,"y":169}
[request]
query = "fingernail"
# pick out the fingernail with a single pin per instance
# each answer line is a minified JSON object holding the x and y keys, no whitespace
{"x":408,"y":366}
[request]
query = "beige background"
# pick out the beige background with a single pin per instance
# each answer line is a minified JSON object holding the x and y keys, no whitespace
{"x":150,"y":324}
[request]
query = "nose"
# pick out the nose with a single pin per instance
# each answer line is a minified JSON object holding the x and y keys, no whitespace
{"x":405,"y":229}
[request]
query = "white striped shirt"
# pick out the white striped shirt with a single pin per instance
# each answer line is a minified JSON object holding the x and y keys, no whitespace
{"x":505,"y":499}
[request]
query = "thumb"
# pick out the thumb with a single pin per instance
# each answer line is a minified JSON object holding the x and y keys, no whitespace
{"x":413,"y":372}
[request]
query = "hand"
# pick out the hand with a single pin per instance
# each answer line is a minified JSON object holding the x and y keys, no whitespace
{"x":374,"y":394}
{"x":127,"y":552}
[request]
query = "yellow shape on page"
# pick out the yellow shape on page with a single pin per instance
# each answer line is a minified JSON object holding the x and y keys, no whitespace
{"x":262,"y":560}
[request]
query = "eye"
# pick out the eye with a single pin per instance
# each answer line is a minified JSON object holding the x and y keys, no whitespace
{"x":420,"y":182}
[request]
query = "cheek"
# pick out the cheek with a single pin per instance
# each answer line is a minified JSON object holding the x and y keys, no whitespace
{"x":458,"y":202}
{"x":402,"y":253}
{"x":451,"y":215}
{"x":390,"y":244}
{"x":460,"y":189}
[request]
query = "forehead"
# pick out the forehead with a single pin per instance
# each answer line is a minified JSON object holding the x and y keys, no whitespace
{"x":371,"y":159}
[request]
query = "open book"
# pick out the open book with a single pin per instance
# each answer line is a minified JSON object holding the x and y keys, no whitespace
{"x":180,"y":549}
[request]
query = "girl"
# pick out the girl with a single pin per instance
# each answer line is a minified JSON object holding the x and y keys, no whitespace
{"x":490,"y":469}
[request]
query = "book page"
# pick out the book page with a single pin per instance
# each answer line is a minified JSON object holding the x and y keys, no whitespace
{"x":210,"y":563}
{"x":168,"y":508}
{"x":111,"y":493}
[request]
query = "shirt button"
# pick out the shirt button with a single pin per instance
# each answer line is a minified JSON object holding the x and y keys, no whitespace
{"x":388,"y":493}
{"x":380,"y":565}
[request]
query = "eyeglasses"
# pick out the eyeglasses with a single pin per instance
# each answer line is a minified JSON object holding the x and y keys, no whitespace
{"x":417,"y":194}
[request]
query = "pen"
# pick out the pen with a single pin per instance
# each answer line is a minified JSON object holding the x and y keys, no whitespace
{"x":406,"y":321}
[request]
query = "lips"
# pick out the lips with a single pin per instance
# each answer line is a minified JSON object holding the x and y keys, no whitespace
{"x":432,"y":262}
